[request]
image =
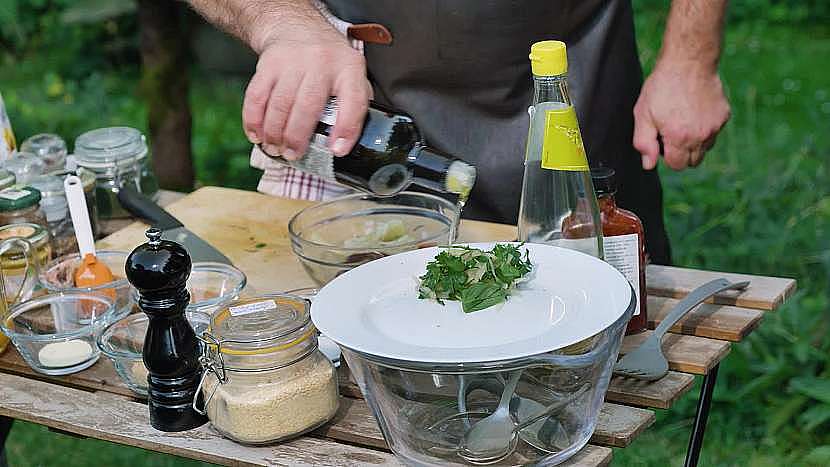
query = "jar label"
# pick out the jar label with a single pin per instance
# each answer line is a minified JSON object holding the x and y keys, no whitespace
{"x":562,"y":147}
{"x":255,"y":307}
{"x":13,"y":194}
{"x":622,"y":252}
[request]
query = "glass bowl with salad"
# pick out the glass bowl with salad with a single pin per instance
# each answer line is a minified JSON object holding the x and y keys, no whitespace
{"x":335,"y":236}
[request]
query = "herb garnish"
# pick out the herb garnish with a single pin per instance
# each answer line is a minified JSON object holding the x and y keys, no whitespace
{"x":477,"y":278}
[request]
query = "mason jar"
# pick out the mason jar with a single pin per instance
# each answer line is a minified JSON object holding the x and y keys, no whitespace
{"x":265,"y":379}
{"x":25,"y":166}
{"x":7,"y":179}
{"x":88,"y":182}
{"x":118,"y":157}
{"x":49,"y":148}
{"x":54,"y":205}
{"x":28,"y":251}
{"x":21,"y":205}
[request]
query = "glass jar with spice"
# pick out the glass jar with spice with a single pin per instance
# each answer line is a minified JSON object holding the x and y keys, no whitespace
{"x":50,"y":148}
{"x":22,"y":258}
{"x":118,"y":156}
{"x":54,"y":205}
{"x":623,"y":242}
{"x":265,"y":379}
{"x":21,"y":205}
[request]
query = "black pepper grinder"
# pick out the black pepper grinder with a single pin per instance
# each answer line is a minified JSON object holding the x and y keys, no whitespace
{"x":159,"y":270}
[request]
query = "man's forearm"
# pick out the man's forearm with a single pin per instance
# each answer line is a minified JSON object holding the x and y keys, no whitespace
{"x":693,"y":33}
{"x":260,"y":22}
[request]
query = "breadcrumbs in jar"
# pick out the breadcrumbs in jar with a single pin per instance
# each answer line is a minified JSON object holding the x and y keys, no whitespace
{"x":272,"y":382}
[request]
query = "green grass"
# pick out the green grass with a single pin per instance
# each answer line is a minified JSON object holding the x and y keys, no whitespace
{"x":759,"y":204}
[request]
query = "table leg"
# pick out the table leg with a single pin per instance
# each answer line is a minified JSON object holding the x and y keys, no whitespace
{"x":702,"y":415}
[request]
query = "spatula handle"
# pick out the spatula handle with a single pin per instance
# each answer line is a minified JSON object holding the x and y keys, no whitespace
{"x":80,"y":216}
{"x":695,"y":298}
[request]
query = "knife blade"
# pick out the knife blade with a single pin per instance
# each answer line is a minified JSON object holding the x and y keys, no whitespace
{"x":143,"y":207}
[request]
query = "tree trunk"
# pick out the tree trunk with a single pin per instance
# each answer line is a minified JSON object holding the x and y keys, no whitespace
{"x":164,"y":86}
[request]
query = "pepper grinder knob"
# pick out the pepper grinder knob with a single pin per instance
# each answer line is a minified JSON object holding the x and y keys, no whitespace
{"x":159,"y":270}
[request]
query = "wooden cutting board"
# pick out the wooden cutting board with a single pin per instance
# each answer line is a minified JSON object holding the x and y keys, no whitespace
{"x":252,"y":230}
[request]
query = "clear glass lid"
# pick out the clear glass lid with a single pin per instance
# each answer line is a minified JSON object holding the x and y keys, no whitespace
{"x":105,"y":147}
{"x":49,"y":147}
{"x":263,"y":325}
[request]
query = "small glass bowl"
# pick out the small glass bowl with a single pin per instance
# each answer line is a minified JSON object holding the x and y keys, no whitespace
{"x":333,"y":237}
{"x":56,"y":333}
{"x":211,"y":285}
{"x":57,"y":276}
{"x":123,"y":343}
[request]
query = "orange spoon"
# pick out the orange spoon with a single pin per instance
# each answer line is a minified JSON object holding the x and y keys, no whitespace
{"x":91,"y":272}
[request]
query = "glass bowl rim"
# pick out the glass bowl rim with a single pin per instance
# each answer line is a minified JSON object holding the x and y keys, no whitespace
{"x":85,"y":330}
{"x":212,"y":266}
{"x":295,"y":237}
{"x":51,"y":264}
{"x":102,"y":341}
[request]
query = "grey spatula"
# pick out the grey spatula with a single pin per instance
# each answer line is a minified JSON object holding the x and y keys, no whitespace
{"x":647,"y":361}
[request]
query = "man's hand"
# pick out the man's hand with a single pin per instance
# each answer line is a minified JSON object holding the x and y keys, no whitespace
{"x":682,"y":102}
{"x":303,"y":61}
{"x":683,"y":106}
{"x":292,"y":83}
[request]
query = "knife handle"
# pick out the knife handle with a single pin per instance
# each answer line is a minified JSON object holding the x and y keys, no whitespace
{"x":143,"y":207}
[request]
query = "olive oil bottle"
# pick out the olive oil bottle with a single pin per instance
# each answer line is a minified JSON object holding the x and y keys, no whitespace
{"x":389,"y":156}
{"x":558,"y":204}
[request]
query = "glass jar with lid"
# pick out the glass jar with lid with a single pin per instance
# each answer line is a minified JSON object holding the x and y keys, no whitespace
{"x":54,"y":205}
{"x":21,"y":204}
{"x":7,"y":179}
{"x":88,"y":182}
{"x":21,"y":261}
{"x":50,"y":148}
{"x":265,"y":379}
{"x":25,"y":166}
{"x":118,"y":157}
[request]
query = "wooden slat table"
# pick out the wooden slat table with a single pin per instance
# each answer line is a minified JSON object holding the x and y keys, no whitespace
{"x":251,"y":230}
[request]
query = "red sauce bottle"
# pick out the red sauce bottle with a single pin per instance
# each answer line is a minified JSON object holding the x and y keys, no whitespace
{"x":623,"y":242}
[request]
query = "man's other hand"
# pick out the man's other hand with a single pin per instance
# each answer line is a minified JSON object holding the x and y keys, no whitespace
{"x":684,"y":106}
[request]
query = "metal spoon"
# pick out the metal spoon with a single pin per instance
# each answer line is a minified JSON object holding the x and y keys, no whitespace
{"x":491,"y":438}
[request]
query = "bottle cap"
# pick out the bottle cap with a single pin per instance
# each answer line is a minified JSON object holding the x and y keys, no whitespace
{"x":548,"y":58}
{"x":604,"y":180}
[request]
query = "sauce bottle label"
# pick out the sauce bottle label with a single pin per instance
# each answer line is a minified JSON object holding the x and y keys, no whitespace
{"x":562,"y":148}
{"x":623,"y":252}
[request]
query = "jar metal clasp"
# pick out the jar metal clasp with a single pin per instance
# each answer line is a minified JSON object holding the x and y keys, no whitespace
{"x":212,"y":362}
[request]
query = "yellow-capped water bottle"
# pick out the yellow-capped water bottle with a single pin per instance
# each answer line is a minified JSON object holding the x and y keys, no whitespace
{"x":558,"y":203}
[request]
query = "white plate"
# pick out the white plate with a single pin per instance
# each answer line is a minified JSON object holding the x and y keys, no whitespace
{"x":375,"y":309}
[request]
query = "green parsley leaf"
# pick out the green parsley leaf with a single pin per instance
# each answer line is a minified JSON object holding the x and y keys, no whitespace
{"x":478,"y":279}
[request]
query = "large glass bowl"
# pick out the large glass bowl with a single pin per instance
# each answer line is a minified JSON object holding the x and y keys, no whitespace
{"x":425,"y":410}
{"x":55,"y":334}
{"x":123,"y":343}
{"x":335,"y":236}
{"x":57,"y":276}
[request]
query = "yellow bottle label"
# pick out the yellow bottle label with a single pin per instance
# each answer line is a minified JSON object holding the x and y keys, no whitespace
{"x":562,"y":147}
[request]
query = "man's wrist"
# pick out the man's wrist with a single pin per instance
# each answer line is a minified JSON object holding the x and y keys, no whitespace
{"x":680,"y":64}
{"x":300,"y":24}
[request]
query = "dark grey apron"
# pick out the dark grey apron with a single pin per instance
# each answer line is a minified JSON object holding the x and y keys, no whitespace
{"x":460,"y":68}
